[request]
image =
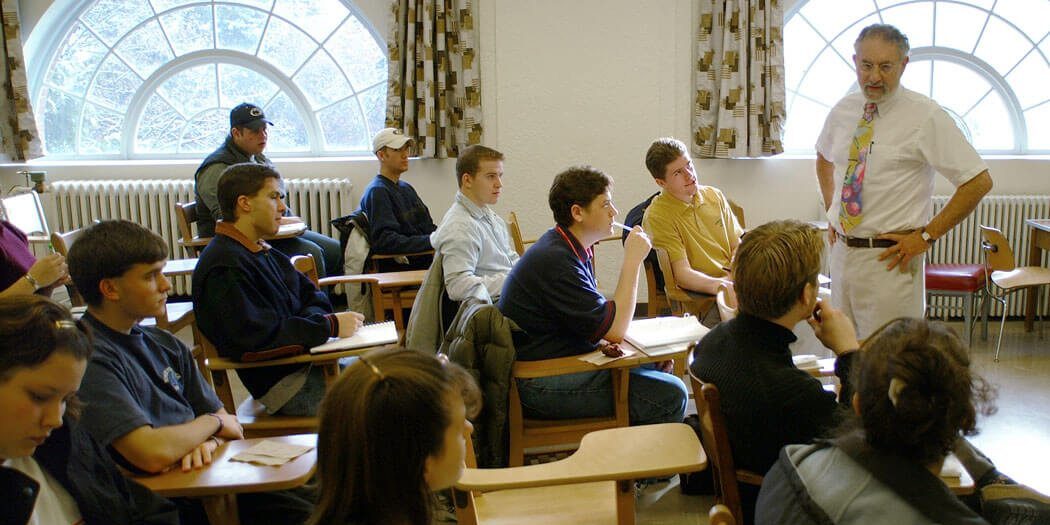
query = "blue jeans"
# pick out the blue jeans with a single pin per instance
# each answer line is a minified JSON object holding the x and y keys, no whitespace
{"x":327,"y":252}
{"x":308,"y":398}
{"x":653,"y":396}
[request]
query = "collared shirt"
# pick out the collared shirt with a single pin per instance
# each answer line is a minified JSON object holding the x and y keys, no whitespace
{"x":702,"y":231}
{"x":912,"y":138}
{"x":475,"y":246}
{"x":552,"y":294}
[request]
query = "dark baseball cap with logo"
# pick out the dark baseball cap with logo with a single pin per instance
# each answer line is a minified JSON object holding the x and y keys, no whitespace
{"x":247,"y":115}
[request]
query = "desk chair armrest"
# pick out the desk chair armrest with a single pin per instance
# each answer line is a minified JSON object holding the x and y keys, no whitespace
{"x":550,"y":367}
{"x":612,"y":454}
{"x":393,"y":255}
{"x":222,"y":363}
{"x":751,"y":478}
{"x":347,"y":279}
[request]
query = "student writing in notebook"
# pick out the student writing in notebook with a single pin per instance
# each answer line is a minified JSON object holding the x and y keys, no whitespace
{"x":552,"y":294}
{"x":146,"y":401}
{"x":249,"y":298}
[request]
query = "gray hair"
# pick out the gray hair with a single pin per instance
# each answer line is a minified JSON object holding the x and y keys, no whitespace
{"x":887,"y":33}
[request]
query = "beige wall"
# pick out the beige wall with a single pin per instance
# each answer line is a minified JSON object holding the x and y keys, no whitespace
{"x":587,"y":81}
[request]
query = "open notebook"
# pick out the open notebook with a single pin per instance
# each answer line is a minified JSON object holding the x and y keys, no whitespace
{"x":368,"y":335}
{"x":662,"y":335}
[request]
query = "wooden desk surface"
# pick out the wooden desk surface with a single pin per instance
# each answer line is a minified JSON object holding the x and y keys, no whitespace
{"x":224,"y":477}
{"x":572,"y":364}
{"x":175,"y":267}
{"x":1039,"y":224}
{"x":398,"y":279}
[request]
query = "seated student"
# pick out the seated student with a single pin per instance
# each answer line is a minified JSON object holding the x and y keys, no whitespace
{"x":22,"y":273}
{"x":249,"y":129}
{"x":249,"y":298}
{"x":767,"y":401}
{"x":915,"y":398}
{"x":372,"y":467}
{"x":552,"y":294}
{"x":145,"y":398}
{"x":694,"y":223}
{"x":398,"y":220}
{"x":52,"y":471}
{"x":473,"y":241}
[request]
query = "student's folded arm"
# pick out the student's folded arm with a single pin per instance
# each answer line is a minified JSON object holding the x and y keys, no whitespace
{"x":385,"y":229}
{"x":690,"y":279}
{"x":154,"y":449}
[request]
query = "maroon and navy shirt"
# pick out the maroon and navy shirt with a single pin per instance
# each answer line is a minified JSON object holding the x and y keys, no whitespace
{"x":552,"y":294}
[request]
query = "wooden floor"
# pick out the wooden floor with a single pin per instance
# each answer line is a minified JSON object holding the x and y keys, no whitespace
{"x":1017,"y":437}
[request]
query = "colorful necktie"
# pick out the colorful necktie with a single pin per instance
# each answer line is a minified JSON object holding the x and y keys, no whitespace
{"x":851,"y":211}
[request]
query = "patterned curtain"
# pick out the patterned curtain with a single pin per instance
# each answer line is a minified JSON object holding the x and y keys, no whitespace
{"x":21,"y":141}
{"x":739,"y":108}
{"x":433,"y":91}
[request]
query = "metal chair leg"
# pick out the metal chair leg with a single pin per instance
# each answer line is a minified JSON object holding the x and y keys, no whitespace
{"x":968,"y":318}
{"x":1002,"y":324}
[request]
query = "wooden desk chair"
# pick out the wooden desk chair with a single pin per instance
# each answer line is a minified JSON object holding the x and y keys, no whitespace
{"x":186,"y":215}
{"x":715,"y":438}
{"x":657,"y":300}
{"x":720,"y":515}
{"x":515,"y":234}
{"x":177,"y":315}
{"x":525,"y":433}
{"x":594,"y":485}
{"x":1006,"y":275}
{"x":682,"y":301}
{"x":25,"y":212}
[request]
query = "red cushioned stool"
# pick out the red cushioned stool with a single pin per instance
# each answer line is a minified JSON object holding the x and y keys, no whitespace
{"x":960,"y":280}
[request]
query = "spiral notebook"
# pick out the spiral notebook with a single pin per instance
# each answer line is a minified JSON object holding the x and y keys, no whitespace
{"x":376,"y":334}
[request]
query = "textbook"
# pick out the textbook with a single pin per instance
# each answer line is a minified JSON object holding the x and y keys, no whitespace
{"x":661,"y":335}
{"x":375,"y":334}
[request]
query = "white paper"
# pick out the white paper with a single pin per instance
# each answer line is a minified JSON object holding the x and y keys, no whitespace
{"x":368,"y":335}
{"x":598,"y":358}
{"x":663,"y":331}
{"x":272,"y":453}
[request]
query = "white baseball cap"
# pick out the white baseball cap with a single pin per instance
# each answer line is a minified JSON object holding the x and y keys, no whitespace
{"x":390,"y":138}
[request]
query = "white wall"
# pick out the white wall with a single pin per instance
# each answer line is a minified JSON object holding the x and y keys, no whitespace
{"x":564,"y":83}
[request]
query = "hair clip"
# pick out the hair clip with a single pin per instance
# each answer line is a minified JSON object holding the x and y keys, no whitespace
{"x":374,"y":368}
{"x":64,"y":324}
{"x":896,"y":386}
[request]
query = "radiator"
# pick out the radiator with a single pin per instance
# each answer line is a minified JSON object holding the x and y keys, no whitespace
{"x":963,"y":243}
{"x":74,"y":204}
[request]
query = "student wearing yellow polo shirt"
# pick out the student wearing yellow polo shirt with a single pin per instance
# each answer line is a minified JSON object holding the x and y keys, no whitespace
{"x":692,"y":222}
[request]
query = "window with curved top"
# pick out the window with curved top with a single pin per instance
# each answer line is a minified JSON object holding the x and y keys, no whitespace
{"x":984,"y":61}
{"x":157,"y":78}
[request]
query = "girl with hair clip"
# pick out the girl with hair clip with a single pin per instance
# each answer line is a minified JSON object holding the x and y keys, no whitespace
{"x":915,"y":398}
{"x":52,"y":471}
{"x":393,"y":430}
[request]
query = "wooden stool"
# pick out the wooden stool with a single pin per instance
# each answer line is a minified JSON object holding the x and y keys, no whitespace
{"x":960,"y":280}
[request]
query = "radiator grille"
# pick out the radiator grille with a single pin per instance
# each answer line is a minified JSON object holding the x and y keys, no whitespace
{"x":1005,"y":212}
{"x":150,"y":203}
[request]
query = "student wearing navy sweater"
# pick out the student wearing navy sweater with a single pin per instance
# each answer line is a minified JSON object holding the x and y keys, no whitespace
{"x":249,"y":298}
{"x":399,"y":221}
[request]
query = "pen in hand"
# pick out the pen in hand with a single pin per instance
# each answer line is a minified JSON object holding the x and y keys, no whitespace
{"x":622,"y":225}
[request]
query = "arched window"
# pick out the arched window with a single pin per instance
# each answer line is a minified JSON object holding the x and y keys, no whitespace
{"x":984,"y":61}
{"x":157,"y":78}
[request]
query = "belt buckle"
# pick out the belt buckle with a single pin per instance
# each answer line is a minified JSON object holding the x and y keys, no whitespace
{"x":871,"y":242}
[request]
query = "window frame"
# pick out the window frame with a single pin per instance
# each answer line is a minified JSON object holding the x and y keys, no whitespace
{"x":48,"y":35}
{"x":996,"y":80}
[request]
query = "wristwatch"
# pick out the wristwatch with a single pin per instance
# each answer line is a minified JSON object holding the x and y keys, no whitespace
{"x":32,"y":281}
{"x":926,"y":235}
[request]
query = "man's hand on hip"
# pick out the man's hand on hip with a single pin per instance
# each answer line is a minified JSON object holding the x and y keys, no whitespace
{"x":909,"y":246}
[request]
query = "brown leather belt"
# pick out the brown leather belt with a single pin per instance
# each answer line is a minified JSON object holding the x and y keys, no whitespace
{"x":861,"y":242}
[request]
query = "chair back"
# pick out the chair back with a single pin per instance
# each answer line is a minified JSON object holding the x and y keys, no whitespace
{"x":681,"y":301}
{"x":61,"y":242}
{"x":998,"y":254}
{"x":715,"y":438}
{"x":720,"y":515}
{"x":24,"y":211}
{"x":726,"y":304}
{"x":307,"y":266}
{"x":186,"y":215}
{"x":738,"y":212}
{"x":515,"y":234}
{"x":657,"y":299}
